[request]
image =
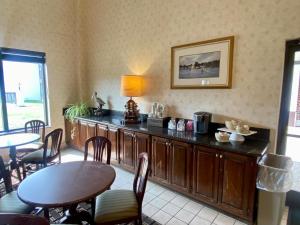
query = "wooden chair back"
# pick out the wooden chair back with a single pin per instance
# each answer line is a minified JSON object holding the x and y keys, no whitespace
{"x":141,"y":177}
{"x":100,"y":145}
{"x":52,"y":143}
{"x":5,"y":176}
{"x":37,"y":127}
{"x":21,"y":219}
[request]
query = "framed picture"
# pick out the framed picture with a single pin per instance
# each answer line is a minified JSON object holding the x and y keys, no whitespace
{"x":206,"y":64}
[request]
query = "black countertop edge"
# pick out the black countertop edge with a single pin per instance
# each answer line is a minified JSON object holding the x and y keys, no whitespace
{"x":255,"y":147}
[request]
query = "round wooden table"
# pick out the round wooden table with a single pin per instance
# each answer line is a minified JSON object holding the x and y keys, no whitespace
{"x":66,"y":185}
{"x":11,"y":141}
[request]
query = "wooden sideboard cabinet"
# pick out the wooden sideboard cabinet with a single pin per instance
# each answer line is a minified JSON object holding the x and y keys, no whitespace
{"x":224,"y":179}
{"x":131,"y":144}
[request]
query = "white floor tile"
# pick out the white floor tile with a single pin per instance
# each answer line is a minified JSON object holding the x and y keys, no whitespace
{"x":180,"y":201}
{"x":150,"y":210}
{"x":224,"y":220}
{"x":157,"y":190}
{"x":185,"y":216}
{"x":161,"y":217}
{"x":159,"y":203}
{"x":208,"y":214}
{"x":171,"y":209}
{"x":175,"y":221}
{"x":148,"y":197}
{"x":167,"y":195}
{"x":199,"y":221}
{"x":193,"y":207}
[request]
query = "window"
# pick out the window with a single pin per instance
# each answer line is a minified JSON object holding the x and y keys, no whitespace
{"x":22,"y":88}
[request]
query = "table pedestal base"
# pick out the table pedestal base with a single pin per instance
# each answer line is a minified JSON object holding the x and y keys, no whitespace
{"x":76,"y":216}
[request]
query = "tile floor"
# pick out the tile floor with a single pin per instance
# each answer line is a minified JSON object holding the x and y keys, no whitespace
{"x":163,"y":205}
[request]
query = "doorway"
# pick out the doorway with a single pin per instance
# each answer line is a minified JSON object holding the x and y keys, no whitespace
{"x":288,"y":139}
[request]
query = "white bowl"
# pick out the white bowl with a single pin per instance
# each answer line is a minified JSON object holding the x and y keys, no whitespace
{"x":222,"y":136}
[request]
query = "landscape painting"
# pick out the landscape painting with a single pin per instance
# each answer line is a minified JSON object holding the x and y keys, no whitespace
{"x":203,"y":65}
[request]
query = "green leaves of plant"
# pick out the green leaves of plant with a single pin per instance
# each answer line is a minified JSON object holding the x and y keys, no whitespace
{"x":75,"y":110}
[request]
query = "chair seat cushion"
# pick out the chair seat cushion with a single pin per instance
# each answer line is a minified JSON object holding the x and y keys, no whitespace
{"x":35,"y":157}
{"x":115,"y":205}
{"x":30,"y":147}
{"x":10,"y":203}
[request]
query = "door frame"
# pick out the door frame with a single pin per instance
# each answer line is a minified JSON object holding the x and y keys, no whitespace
{"x":290,"y":48}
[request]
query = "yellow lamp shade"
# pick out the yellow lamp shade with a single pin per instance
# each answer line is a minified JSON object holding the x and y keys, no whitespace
{"x":131,"y":85}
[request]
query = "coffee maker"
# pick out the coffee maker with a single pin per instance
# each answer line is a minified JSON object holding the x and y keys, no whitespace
{"x":201,"y":122}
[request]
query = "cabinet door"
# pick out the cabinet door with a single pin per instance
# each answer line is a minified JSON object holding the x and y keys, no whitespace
{"x":113,"y":136}
{"x":127,"y":153}
{"x":205,"y":173}
{"x":237,"y":184}
{"x":142,"y":144}
{"x":180,"y":165}
{"x":160,"y":159}
{"x":86,"y":131}
{"x":102,"y":130}
{"x":72,"y":133}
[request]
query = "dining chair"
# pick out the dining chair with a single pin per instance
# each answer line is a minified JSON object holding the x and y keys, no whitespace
{"x":21,"y":219}
{"x":121,"y":206}
{"x":47,"y":155}
{"x":9,"y":202}
{"x":100,"y":146}
{"x":37,"y":127}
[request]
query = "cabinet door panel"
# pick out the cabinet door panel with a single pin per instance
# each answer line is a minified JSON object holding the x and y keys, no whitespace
{"x":102,"y":130}
{"x":127,"y":150}
{"x":205,"y":174}
{"x":236,"y":189}
{"x":180,"y":168}
{"x":142,"y":144}
{"x":113,"y":136}
{"x":87,"y":130}
{"x":160,"y":159}
{"x":72,"y":133}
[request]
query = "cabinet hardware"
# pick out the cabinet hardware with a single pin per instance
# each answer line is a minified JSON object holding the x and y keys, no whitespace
{"x":221,"y":156}
{"x":217,"y":155}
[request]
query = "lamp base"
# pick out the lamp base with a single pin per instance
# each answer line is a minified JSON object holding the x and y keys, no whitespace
{"x":131,"y":114}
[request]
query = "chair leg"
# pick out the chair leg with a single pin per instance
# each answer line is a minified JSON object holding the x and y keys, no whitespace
{"x":24,"y":170}
{"x":93,"y":207}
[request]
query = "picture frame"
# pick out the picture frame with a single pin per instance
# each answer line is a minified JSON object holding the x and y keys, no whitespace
{"x":205,"y":64}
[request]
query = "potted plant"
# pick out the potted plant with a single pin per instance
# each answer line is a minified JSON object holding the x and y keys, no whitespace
{"x":75,"y":110}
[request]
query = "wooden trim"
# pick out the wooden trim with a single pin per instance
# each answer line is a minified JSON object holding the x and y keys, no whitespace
{"x":291,"y":47}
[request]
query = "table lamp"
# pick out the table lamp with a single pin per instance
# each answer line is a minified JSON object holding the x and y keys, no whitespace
{"x":131,"y":86}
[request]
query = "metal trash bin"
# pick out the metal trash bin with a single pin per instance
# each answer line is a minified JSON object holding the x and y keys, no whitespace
{"x":274,"y":179}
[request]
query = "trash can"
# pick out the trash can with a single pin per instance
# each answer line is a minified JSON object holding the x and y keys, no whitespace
{"x":273,"y":181}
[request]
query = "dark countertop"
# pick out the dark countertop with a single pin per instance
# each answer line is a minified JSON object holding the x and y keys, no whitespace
{"x":255,"y":147}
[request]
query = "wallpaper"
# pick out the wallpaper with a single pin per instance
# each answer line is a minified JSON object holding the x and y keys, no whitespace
{"x":50,"y":27}
{"x":136,"y":36}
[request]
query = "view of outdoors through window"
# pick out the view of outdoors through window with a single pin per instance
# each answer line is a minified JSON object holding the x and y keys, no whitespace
{"x":293,"y":135}
{"x":24,"y":92}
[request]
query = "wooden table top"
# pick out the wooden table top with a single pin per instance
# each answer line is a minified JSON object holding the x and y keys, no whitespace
{"x":11,"y":140}
{"x":66,"y":184}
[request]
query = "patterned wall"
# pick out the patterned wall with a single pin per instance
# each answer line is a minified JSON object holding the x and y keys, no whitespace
{"x":51,"y":27}
{"x":135,"y":36}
